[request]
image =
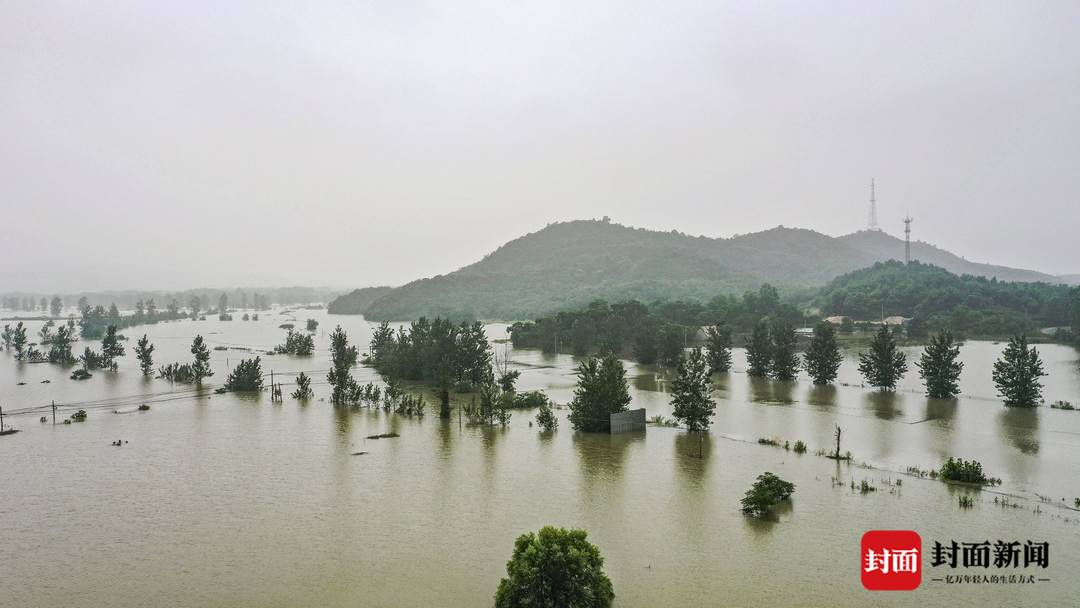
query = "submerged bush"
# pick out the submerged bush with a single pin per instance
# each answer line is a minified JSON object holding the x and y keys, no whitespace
{"x":546,"y":419}
{"x":800,"y":447}
{"x":968,"y":471}
{"x":246,"y":377}
{"x":766,"y":492}
{"x":296,"y":343}
{"x":303,"y":387}
{"x":531,"y":399}
{"x":555,"y":567}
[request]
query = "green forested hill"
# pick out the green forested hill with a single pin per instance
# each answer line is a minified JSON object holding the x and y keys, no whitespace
{"x":357,"y":301}
{"x":939,"y":298}
{"x":567,"y":265}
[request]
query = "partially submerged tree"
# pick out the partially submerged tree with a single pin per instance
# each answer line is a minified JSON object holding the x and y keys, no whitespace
{"x":555,"y":568}
{"x":61,"y":345}
{"x":939,"y":367}
{"x":55,"y":306}
{"x":718,"y":345}
{"x":18,"y":340}
{"x":90,"y":359}
{"x":246,"y":376}
{"x":785,"y":361}
{"x":296,"y":343}
{"x":822,"y":357}
{"x":1017,"y":372}
{"x":111,"y":348}
{"x":303,"y":387}
{"x":884,"y":365}
{"x":768,"y":491}
{"x":144,"y":352}
{"x":759,"y":351}
{"x":691,"y":397}
{"x":546,"y":419}
{"x":201,"y":368}
{"x":342,"y":358}
{"x":601,"y":391}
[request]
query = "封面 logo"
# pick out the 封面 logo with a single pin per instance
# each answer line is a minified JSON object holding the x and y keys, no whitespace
{"x":891,"y":560}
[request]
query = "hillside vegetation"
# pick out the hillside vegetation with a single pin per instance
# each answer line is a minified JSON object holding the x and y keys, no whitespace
{"x":938,"y":298}
{"x":357,"y":301}
{"x":567,"y":265}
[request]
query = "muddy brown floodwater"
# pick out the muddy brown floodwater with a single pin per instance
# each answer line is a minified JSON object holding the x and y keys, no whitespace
{"x":226,"y":500}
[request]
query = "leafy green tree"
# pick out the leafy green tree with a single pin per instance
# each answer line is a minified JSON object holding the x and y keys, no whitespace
{"x":785,"y":361}
{"x":60,"y":350}
{"x":601,"y":391}
{"x":312,"y":325}
{"x":885,"y":364}
{"x":766,"y":492}
{"x":672,"y":343}
{"x":718,"y":343}
{"x":647,"y":344}
{"x":691,"y":397}
{"x":508,"y":379}
{"x":545,"y":417}
{"x":194,"y":305}
{"x":144,"y":352}
{"x":45,"y":334}
{"x":18,"y":340}
{"x":246,"y":376}
{"x":111,"y":348}
{"x":582,"y":335}
{"x":553,"y":569}
{"x":7,"y":335}
{"x":303,"y":387}
{"x":201,"y":367}
{"x":1017,"y":372}
{"x":296,"y":343}
{"x":90,"y":359}
{"x":822,"y":357}
{"x":939,"y":368}
{"x":759,"y":351}
{"x":55,"y":306}
{"x":916,"y":328}
{"x":342,"y":358}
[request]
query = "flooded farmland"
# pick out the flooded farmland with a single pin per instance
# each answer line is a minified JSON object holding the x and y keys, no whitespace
{"x":232,"y":500}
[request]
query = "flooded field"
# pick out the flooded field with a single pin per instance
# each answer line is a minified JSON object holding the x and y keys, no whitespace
{"x":227,"y":500}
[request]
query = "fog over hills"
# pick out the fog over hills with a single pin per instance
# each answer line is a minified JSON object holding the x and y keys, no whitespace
{"x":568,"y":264}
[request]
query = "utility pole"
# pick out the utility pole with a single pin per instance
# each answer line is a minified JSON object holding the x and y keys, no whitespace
{"x":1,"y":419}
{"x":54,"y":413}
{"x":907,"y":240}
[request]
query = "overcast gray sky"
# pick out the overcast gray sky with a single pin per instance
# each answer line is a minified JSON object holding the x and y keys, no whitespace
{"x":183,"y":144}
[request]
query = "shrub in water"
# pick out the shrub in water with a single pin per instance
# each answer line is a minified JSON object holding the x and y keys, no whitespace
{"x":767,"y":491}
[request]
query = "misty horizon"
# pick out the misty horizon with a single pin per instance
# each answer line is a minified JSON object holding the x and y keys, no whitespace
{"x":166,"y":147}
{"x":348,"y":287}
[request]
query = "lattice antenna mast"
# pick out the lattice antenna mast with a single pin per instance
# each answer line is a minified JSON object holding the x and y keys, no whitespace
{"x":872,"y":225}
{"x":907,"y":240}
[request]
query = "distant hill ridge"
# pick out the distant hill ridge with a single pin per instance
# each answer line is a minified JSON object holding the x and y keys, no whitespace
{"x":568,"y":264}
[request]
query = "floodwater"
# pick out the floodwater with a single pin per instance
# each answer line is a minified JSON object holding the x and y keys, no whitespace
{"x":226,"y":500}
